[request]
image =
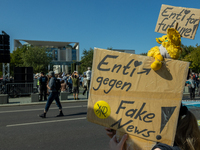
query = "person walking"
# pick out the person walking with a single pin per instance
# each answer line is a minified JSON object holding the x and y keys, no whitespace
{"x":43,"y":86}
{"x":69,"y":81}
{"x":75,"y":82}
{"x":88,"y":74}
{"x":53,"y":94}
{"x":198,"y":93}
{"x":191,"y":85}
{"x":84,"y":84}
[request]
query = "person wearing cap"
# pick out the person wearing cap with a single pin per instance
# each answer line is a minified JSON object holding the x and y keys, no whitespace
{"x":88,"y":74}
{"x":53,"y":94}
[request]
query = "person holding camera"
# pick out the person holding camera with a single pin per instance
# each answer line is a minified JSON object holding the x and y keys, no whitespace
{"x":75,"y":83}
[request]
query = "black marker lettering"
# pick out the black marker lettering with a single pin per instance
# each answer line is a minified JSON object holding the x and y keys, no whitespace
{"x":105,"y":81}
{"x":111,"y":84}
{"x":119,"y":123}
{"x":148,"y":133}
{"x":129,"y":128}
{"x":160,"y":24}
{"x":105,"y":63}
{"x":139,"y":113}
{"x":165,"y":11}
{"x":99,"y":79}
{"x":119,"y":83}
{"x":120,"y":106}
{"x":131,"y":112}
{"x":116,"y":66}
{"x":125,"y":84}
{"x":148,"y":116}
{"x":138,"y":132}
{"x":127,"y":67}
{"x":177,"y":17}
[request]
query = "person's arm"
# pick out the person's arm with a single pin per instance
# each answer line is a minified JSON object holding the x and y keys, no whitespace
{"x":110,"y":132}
{"x":50,"y":85}
{"x":187,"y":83}
{"x":114,"y":145}
{"x":72,"y":75}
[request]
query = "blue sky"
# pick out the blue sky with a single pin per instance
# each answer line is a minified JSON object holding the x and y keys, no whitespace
{"x":120,"y":24}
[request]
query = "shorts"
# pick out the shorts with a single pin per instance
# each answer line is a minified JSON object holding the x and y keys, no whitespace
{"x":75,"y":89}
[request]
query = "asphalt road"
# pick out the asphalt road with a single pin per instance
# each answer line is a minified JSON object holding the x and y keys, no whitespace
{"x":22,"y":129}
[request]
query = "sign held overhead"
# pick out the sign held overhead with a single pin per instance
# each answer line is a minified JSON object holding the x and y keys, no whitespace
{"x":187,"y":19}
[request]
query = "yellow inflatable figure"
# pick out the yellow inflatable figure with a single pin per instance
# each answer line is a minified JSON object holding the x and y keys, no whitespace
{"x":169,"y":48}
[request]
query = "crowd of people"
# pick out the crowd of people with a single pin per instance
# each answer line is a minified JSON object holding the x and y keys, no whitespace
{"x":187,"y":140}
{"x":52,"y":84}
{"x":69,"y":83}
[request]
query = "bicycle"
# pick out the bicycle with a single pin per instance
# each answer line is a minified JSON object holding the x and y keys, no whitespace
{"x":14,"y":92}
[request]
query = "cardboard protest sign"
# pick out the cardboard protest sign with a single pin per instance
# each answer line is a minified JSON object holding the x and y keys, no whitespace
{"x":187,"y":19}
{"x":127,"y":95}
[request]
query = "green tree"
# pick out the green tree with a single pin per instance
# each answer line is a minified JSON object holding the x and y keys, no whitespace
{"x":194,"y":58}
{"x":185,"y":51}
{"x":16,"y":56}
{"x":86,"y":60}
{"x":37,"y":57}
{"x":144,"y":54}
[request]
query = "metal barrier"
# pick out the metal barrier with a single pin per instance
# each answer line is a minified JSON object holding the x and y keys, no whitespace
{"x":1,"y":84}
{"x":18,"y":89}
{"x":2,"y":88}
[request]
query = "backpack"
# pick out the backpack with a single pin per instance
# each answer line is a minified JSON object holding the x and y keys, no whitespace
{"x":58,"y":85}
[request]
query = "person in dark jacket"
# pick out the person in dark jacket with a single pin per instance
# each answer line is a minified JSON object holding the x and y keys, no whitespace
{"x":43,"y":86}
{"x":53,"y":94}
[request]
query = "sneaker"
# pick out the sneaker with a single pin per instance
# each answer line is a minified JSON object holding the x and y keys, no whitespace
{"x":74,"y":98}
{"x":60,"y":114}
{"x":43,"y":115}
{"x":77,"y":98}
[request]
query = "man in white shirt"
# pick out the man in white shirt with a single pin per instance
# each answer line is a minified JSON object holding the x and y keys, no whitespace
{"x":88,"y":74}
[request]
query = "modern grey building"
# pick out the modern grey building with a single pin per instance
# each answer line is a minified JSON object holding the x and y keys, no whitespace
{"x":64,"y":53}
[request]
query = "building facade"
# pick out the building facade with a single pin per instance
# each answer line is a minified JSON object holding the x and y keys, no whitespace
{"x":65,"y":54}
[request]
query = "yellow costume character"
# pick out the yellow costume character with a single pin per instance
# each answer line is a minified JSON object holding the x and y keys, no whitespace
{"x":169,"y":48}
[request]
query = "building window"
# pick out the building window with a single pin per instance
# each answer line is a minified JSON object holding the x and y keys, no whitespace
{"x":54,"y":53}
{"x":73,"y":54}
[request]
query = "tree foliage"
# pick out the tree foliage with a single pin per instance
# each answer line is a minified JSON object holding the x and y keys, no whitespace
{"x":36,"y":57}
{"x":185,"y":51}
{"x":144,"y":54}
{"x":86,"y":60}
{"x":16,"y":56}
{"x":193,"y":57}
